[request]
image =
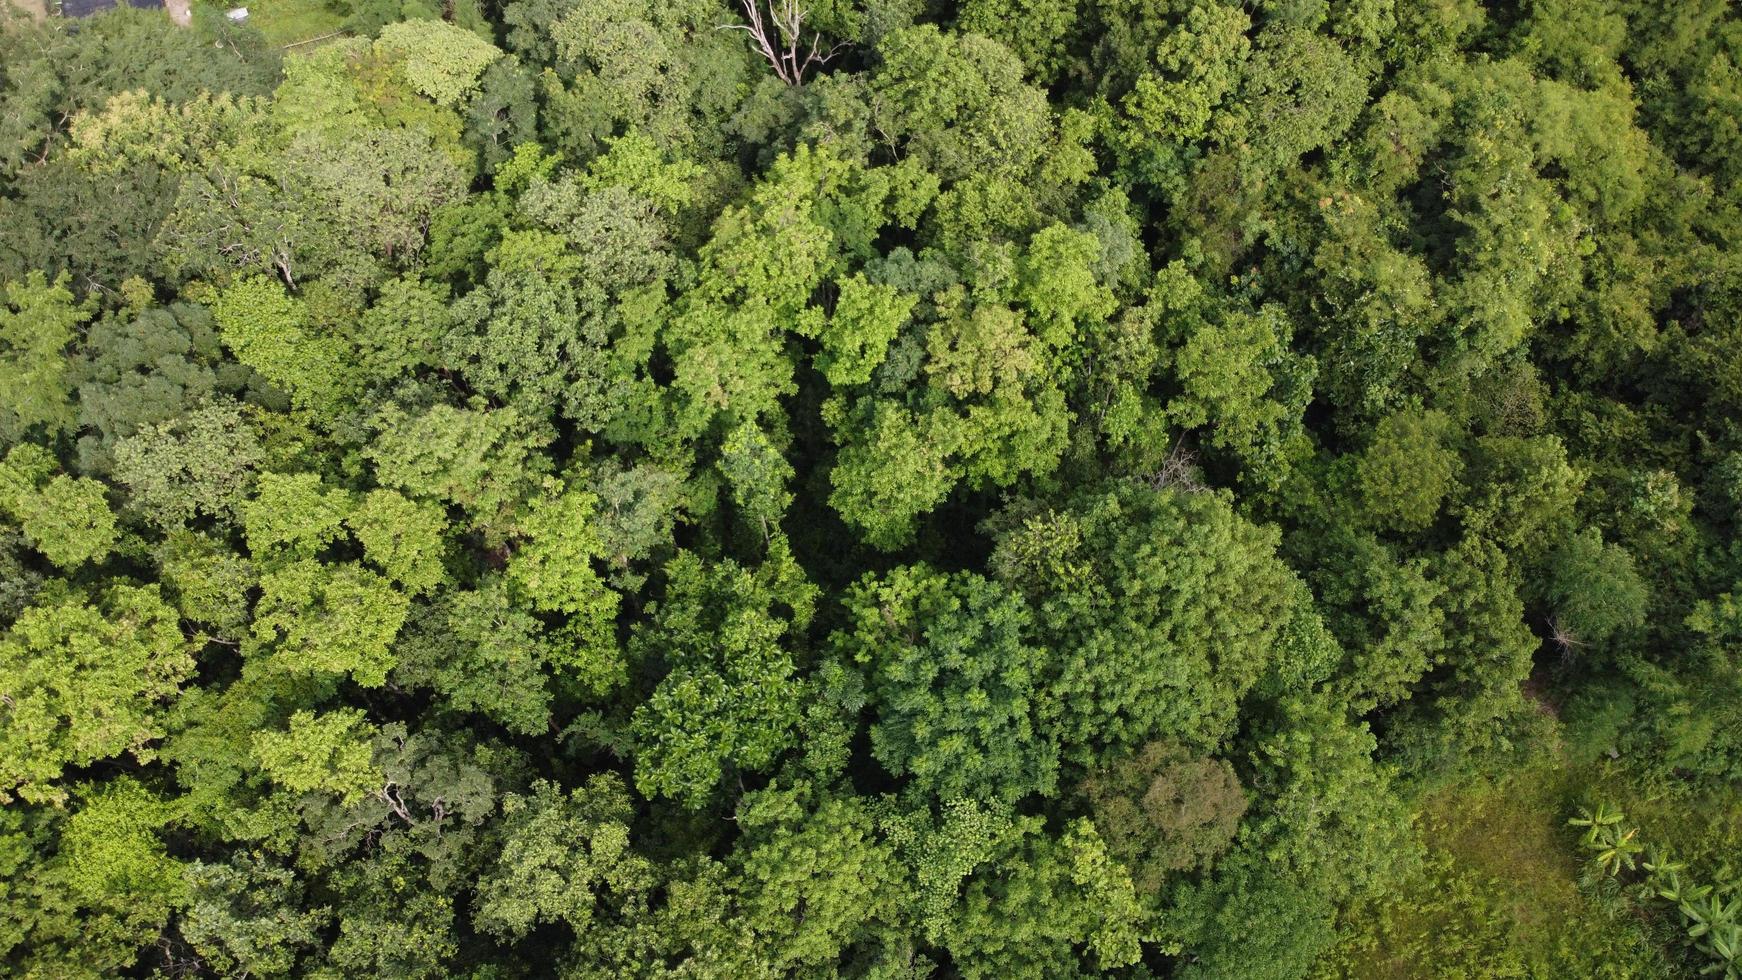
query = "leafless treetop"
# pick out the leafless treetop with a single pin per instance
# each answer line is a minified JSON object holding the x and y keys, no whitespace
{"x":778,"y":32}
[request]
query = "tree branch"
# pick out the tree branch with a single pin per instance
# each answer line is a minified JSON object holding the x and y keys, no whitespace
{"x":778,"y":33}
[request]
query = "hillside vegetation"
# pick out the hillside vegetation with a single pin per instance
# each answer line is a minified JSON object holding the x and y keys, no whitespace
{"x":887,"y":489}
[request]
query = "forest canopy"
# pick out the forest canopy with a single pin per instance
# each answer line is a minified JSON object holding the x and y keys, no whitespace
{"x":886,"y":488}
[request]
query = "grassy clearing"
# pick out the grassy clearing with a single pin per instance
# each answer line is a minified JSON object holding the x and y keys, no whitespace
{"x":284,"y":22}
{"x":1497,"y":895}
{"x":36,"y":9}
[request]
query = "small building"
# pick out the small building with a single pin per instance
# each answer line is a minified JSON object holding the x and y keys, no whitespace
{"x":85,"y":8}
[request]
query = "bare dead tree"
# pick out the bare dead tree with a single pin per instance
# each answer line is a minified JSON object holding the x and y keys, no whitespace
{"x":777,"y":28}
{"x":178,"y":959}
{"x":387,"y":795}
{"x":1179,"y":471}
{"x":1563,"y":637}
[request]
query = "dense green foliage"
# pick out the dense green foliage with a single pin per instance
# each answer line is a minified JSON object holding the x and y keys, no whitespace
{"x":1017,"y":488}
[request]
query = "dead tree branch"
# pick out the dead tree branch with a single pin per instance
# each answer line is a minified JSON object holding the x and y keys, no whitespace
{"x":1563,"y":637}
{"x":1179,"y":471}
{"x":776,"y":27}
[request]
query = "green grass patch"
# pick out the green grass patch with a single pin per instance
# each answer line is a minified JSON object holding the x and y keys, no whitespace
{"x":284,"y":22}
{"x":1498,"y":894}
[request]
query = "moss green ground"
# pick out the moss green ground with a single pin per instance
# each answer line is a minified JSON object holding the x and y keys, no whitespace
{"x":287,"y":22}
{"x":1498,"y":892}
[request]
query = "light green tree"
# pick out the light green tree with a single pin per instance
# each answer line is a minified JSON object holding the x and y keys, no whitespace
{"x":402,"y":538}
{"x":330,"y":619}
{"x":563,"y":854}
{"x":38,"y":322}
{"x":85,"y":682}
{"x":439,"y":59}
{"x":730,"y":699}
{"x":201,"y":464}
{"x":322,"y":752}
{"x":293,"y":514}
{"x":67,"y":519}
